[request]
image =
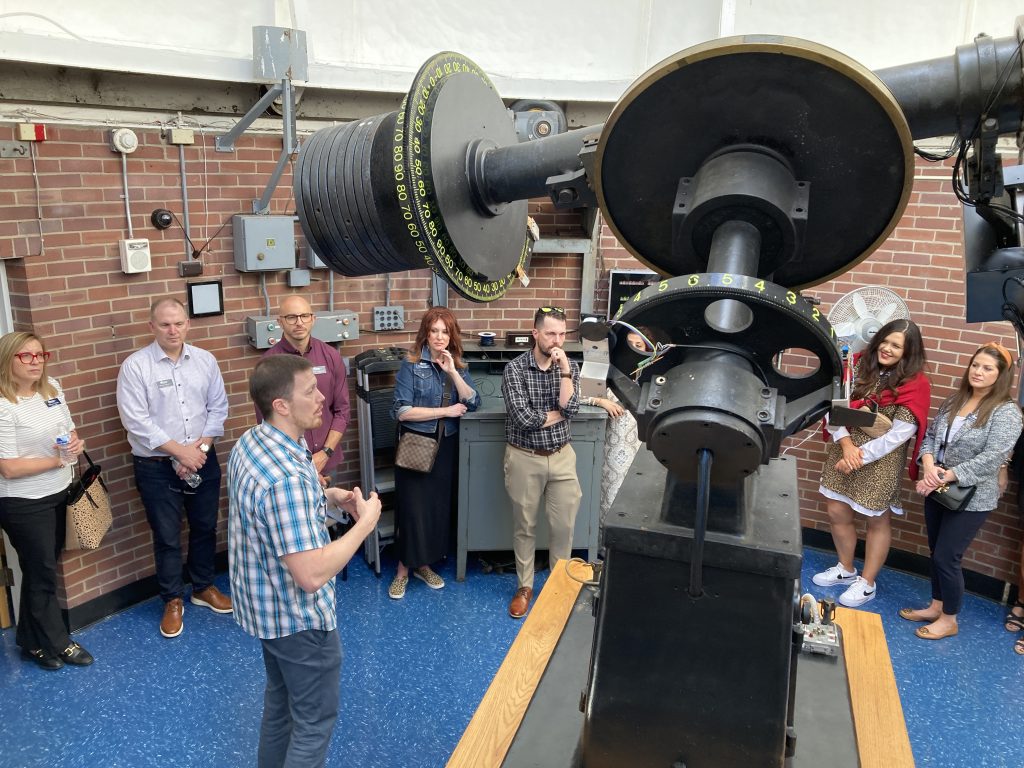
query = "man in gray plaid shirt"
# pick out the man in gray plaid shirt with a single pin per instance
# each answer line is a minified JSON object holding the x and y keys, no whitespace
{"x":540,"y":388}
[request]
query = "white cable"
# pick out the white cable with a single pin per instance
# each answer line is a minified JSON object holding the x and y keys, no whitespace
{"x":47,"y":19}
{"x":810,"y":434}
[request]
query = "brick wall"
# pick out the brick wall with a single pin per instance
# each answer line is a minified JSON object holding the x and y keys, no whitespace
{"x":93,"y":316}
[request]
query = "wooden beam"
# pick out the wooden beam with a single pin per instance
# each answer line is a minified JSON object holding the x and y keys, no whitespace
{"x":489,"y":734}
{"x":877,"y":712}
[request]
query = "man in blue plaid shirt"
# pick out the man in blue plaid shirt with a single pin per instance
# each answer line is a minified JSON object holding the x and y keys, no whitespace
{"x":541,"y":389}
{"x":283,"y":562}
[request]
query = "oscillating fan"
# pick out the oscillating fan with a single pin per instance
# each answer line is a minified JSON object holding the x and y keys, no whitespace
{"x":857,"y":316}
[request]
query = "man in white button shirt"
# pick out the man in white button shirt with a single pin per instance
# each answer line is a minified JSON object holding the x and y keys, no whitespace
{"x":173,"y":405}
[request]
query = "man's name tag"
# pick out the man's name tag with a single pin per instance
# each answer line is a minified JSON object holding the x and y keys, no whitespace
{"x":319,"y":369}
{"x":165,"y":383}
{"x":52,"y":402}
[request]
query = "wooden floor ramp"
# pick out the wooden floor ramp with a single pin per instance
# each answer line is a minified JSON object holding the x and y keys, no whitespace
{"x":489,"y":734}
{"x":882,"y":739}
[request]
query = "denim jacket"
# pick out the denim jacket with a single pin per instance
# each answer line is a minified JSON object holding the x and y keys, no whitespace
{"x":420,"y":385}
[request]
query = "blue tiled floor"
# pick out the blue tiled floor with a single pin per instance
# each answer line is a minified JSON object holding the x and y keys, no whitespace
{"x":414,"y":672}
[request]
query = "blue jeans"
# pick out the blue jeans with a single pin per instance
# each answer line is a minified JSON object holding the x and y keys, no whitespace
{"x":166,"y":497}
{"x":300,"y":705}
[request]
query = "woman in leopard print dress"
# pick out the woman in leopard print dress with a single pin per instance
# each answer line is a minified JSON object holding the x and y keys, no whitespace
{"x":862,"y":474}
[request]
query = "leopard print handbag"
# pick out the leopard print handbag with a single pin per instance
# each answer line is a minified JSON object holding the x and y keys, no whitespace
{"x":89,"y":516}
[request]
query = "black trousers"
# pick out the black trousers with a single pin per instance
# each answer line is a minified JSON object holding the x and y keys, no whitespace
{"x":949,"y":536}
{"x":36,"y":528}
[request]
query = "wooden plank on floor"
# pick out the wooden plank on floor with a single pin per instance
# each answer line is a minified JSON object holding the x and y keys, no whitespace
{"x":489,"y":734}
{"x":882,"y":738}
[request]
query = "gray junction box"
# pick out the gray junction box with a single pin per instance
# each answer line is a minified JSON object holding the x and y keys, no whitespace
{"x":264,"y":243}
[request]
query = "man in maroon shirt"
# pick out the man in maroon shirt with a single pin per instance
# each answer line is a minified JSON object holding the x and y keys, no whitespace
{"x":296,"y":318}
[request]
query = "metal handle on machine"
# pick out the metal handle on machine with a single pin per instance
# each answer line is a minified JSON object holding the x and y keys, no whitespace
{"x":700,"y":522}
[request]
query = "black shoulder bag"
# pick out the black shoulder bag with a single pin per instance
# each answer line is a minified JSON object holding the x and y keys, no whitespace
{"x":953,"y":497}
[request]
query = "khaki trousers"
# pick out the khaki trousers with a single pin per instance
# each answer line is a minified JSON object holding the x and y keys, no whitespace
{"x":527,"y":478}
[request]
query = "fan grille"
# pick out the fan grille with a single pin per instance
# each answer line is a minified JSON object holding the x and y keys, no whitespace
{"x":858,"y":315}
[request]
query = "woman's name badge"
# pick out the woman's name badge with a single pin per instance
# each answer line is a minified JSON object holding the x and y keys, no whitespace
{"x":52,"y":402}
{"x":165,"y":383}
{"x":319,"y":369}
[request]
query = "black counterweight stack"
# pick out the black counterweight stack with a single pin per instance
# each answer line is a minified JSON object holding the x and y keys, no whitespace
{"x":391,"y":192}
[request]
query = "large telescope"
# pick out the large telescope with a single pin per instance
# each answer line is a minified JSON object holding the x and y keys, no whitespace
{"x":741,"y":170}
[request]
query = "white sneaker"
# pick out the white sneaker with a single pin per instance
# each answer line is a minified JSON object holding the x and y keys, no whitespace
{"x":858,"y":593}
{"x":834,"y":575}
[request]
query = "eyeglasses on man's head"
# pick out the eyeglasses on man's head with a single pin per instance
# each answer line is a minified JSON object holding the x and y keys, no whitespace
{"x":293,"y":319}
{"x":30,"y":357}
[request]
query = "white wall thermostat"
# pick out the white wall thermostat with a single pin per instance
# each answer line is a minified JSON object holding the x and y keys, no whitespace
{"x":135,"y":256}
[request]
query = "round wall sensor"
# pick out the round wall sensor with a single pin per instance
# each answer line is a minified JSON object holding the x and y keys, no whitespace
{"x":161,"y":218}
{"x":124,"y":140}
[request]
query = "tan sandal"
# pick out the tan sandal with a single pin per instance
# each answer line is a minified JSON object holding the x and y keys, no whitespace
{"x":1013,"y":622}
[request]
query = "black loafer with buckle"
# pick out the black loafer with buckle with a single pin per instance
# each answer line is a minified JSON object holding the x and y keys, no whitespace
{"x":44,"y":659}
{"x":77,"y":655}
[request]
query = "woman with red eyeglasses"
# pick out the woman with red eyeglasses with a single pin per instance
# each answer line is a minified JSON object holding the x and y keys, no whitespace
{"x":34,"y":481}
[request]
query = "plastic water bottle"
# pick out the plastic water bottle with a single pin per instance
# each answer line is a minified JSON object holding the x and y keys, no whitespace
{"x":192,"y":479}
{"x":63,"y":440}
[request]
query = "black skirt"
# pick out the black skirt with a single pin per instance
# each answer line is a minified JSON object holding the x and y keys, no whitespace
{"x":423,"y":508}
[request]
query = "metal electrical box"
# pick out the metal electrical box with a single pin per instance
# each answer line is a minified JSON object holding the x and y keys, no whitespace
{"x":264,"y":243}
{"x":331,"y":327}
{"x":313,"y":260}
{"x":336,"y":326}
{"x":263,"y":332}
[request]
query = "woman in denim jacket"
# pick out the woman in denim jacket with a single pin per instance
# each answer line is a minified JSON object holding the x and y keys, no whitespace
{"x":967,"y":442}
{"x":432,"y":383}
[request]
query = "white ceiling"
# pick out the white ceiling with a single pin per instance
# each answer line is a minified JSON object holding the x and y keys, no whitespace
{"x":563,"y":49}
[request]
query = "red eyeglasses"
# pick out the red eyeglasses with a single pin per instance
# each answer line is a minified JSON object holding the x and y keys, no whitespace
{"x":30,"y":357}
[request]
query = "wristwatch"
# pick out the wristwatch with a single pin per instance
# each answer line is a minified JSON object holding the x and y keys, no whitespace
{"x":565,"y":375}
{"x":328,"y":451}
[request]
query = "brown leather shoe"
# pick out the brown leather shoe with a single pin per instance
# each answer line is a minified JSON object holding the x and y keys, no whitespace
{"x":214,"y":599}
{"x":520,"y":602}
{"x":172,"y":623}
